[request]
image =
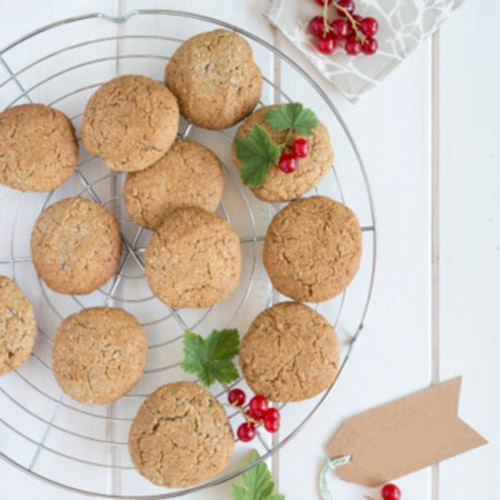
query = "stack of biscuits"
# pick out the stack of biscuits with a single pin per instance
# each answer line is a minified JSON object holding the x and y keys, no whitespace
{"x":173,"y":188}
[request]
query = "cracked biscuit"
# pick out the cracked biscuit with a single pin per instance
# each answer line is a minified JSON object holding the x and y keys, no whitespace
{"x":99,"y":354}
{"x":38,"y":148}
{"x":76,"y":246}
{"x":312,"y":249}
{"x":188,"y":175}
{"x":181,"y":436}
{"x":289,"y":353}
{"x":280,"y":186}
{"x":193,"y":260}
{"x":215,"y":79}
{"x":131,"y":121}
{"x":18,"y":330}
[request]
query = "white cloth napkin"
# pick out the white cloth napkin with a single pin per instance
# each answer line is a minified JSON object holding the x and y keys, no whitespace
{"x":403,"y":24}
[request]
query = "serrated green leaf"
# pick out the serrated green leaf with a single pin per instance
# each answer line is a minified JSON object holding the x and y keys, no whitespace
{"x":283,"y":117}
{"x":193,"y":351}
{"x":257,"y":154}
{"x":223,"y":344}
{"x":258,"y":483}
{"x":292,"y":115}
{"x":238,"y":492}
{"x":211,"y":358}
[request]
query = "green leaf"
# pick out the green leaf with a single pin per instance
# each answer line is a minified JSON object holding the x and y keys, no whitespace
{"x":258,"y":483}
{"x":257,"y":154}
{"x":211,"y":358}
{"x":292,"y":115}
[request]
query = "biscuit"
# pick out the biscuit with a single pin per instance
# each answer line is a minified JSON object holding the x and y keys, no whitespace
{"x":193,"y":260}
{"x":18,"y":330}
{"x":215,"y":79}
{"x":278,"y":185}
{"x":38,"y":148}
{"x":290,"y":353}
{"x":99,"y":354}
{"x":181,"y":436}
{"x":188,"y":175}
{"x":312,"y":249}
{"x":76,"y":246}
{"x":130,"y":121}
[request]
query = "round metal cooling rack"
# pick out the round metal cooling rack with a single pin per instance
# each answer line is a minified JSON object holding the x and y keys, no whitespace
{"x":84,"y":448}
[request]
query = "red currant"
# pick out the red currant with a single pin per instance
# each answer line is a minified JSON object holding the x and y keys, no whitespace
{"x":259,"y":403}
{"x":246,"y":431}
{"x":236,"y":397}
{"x":322,"y":2}
{"x":369,"y":26}
{"x":347,"y":5}
{"x":326,"y":44}
{"x":369,"y":46}
{"x":391,"y":492}
{"x":353,"y":46}
{"x":301,"y":148}
{"x":341,"y":28}
{"x":317,"y":26}
{"x":357,"y":18}
{"x":271,"y":423}
{"x":256,"y":415}
{"x":287,"y":163}
{"x":273,"y":412}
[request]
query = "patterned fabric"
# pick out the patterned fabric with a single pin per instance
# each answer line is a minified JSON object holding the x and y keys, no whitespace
{"x":403,"y":24}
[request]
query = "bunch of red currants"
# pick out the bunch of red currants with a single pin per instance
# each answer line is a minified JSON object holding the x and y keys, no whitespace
{"x":354,"y":31}
{"x":258,"y":413}
{"x":288,"y":161}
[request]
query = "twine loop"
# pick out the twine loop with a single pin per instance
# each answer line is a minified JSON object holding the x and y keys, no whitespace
{"x":331,"y":465}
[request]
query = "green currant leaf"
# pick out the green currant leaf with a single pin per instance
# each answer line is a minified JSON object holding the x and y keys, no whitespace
{"x":257,"y":154}
{"x":211,"y":358}
{"x":292,"y":115}
{"x":258,"y":483}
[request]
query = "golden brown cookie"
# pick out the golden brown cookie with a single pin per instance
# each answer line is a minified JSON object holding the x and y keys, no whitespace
{"x":280,"y":186}
{"x":131,"y":121}
{"x":181,"y":436}
{"x":188,"y":175}
{"x":76,"y":246}
{"x":290,"y":353}
{"x":99,"y":354}
{"x":312,"y":249}
{"x":38,"y":148}
{"x":215,"y":79}
{"x":193,"y":260}
{"x":18,"y":330}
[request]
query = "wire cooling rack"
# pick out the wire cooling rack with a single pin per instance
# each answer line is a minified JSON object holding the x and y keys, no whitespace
{"x":84,"y":448}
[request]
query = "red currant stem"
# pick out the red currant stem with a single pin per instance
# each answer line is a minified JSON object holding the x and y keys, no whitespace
{"x":284,"y":144}
{"x":325,"y":17}
{"x":354,"y":25}
{"x":242,"y":411}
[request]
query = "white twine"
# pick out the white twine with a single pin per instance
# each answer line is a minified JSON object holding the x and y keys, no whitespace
{"x":331,"y":464}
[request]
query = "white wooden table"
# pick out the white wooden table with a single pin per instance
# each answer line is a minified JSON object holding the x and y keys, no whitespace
{"x":429,"y":137}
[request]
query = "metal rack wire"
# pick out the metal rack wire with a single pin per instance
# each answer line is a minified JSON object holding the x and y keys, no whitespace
{"x":82,"y":440}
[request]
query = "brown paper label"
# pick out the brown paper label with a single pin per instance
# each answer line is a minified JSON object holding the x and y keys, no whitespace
{"x":404,"y":436}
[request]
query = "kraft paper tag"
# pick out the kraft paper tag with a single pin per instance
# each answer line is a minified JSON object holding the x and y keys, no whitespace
{"x":404,"y":436}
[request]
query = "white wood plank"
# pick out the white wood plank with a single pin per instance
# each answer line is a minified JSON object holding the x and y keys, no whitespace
{"x":393,"y":358}
{"x":19,"y":18}
{"x":183,"y":28}
{"x":469,"y":260}
{"x":267,"y":66}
